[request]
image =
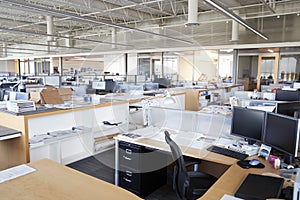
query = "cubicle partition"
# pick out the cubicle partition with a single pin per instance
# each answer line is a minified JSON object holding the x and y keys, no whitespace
{"x":208,"y":124}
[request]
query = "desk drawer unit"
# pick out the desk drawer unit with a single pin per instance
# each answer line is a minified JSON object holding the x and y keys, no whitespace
{"x":141,"y":170}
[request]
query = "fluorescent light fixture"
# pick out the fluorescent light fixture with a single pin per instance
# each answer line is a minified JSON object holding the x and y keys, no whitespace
{"x":235,"y":17}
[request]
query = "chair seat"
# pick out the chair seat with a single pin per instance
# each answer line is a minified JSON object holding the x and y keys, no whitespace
{"x":200,"y":182}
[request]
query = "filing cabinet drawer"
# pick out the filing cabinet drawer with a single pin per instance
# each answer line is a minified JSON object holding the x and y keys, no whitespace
{"x":130,"y":180}
{"x":129,"y":154}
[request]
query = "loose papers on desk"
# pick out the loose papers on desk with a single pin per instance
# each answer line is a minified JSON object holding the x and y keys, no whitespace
{"x":15,"y":172}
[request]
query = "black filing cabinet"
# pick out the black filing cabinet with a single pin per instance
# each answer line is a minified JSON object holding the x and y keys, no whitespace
{"x":141,"y":170}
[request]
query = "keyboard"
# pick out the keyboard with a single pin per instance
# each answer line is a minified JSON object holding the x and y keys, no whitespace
{"x":227,"y":152}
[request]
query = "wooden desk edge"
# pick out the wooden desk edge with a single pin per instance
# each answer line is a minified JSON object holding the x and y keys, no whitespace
{"x":52,"y":180}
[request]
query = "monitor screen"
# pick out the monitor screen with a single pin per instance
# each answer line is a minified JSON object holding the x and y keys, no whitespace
{"x":282,"y":133}
{"x":248,"y":123}
{"x":291,"y":108}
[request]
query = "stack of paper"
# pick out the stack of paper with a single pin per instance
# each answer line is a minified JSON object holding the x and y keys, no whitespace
{"x":18,"y":106}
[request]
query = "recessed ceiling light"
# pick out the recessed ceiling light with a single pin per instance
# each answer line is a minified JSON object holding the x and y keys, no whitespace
{"x":278,"y":16}
{"x":298,"y":14}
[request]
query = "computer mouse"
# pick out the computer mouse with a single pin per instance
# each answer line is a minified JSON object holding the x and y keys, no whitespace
{"x":254,"y":162}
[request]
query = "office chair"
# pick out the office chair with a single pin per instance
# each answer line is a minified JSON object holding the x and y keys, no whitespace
{"x":187,"y":185}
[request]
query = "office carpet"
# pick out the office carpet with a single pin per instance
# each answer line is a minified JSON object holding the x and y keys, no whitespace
{"x":102,"y":166}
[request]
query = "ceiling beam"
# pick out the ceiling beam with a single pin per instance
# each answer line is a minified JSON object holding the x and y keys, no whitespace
{"x":63,"y":37}
{"x":88,"y":19}
{"x":268,"y":6}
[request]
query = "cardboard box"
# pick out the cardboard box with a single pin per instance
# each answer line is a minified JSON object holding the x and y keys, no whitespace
{"x":35,"y":96}
{"x":51,"y":96}
{"x":65,"y":93}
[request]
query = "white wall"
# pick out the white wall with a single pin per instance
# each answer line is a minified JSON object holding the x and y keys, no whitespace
{"x":7,"y":66}
{"x":191,"y":66}
{"x":114,"y":64}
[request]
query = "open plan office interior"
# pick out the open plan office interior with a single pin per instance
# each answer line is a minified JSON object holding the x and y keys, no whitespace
{"x":149,"y":99}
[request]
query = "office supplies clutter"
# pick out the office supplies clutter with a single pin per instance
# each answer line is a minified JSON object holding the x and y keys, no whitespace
{"x":260,"y":187}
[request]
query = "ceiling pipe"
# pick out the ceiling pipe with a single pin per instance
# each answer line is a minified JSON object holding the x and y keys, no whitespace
{"x":192,"y":13}
{"x":45,"y":45}
{"x":232,"y":15}
{"x":26,"y":49}
{"x":62,"y":37}
{"x":88,"y":19}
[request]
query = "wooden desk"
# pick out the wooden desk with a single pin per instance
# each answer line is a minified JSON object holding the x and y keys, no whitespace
{"x":54,"y":181}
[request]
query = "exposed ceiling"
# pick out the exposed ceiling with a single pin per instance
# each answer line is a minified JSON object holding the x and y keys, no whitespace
{"x":89,"y":26}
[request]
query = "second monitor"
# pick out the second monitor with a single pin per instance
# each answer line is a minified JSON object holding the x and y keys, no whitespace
{"x":248,"y":124}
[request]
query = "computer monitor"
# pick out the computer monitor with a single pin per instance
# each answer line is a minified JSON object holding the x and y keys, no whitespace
{"x":248,"y":124}
{"x":287,"y":95}
{"x":291,"y":108}
{"x":282,"y":133}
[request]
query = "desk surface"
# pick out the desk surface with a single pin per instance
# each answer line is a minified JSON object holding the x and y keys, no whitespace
{"x":54,"y":181}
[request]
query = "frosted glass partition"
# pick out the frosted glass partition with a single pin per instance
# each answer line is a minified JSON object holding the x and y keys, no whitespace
{"x":208,"y":124}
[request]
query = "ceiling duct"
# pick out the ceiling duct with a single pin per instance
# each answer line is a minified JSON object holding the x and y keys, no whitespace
{"x":49,"y":20}
{"x":69,"y":41}
{"x":235,"y":30}
{"x":192,"y":13}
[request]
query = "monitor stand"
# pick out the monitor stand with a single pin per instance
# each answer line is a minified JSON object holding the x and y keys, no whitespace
{"x":288,"y":159}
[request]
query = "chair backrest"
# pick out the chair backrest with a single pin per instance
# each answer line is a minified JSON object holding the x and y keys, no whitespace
{"x":180,"y":178}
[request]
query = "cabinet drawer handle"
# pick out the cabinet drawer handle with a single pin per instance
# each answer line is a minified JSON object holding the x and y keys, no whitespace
{"x":128,"y":173}
{"x":126,"y":158}
{"x":128,"y":151}
{"x":125,"y":179}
